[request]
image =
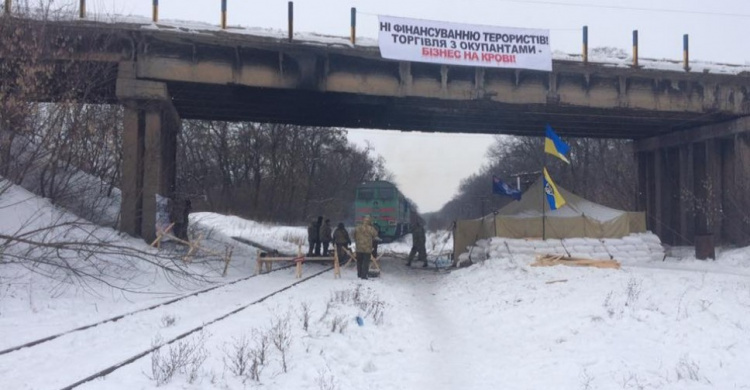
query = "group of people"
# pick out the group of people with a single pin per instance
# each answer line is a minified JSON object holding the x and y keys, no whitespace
{"x":320,"y":235}
{"x":366,"y":236}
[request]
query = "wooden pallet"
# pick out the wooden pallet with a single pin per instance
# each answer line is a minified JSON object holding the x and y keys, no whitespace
{"x":551,"y":260}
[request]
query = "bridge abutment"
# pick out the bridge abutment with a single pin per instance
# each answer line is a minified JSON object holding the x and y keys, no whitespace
{"x":696,"y":183}
{"x":149,"y":147}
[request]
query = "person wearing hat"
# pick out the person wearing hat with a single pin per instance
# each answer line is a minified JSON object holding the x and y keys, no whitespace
{"x":418,"y":245}
{"x":341,"y":239}
{"x":364,"y":235}
{"x":325,"y":236}
{"x":313,"y":232}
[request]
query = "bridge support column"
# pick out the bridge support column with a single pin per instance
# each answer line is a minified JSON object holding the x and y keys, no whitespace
{"x":696,"y":183}
{"x":736,"y":189}
{"x":742,"y":186}
{"x":646,"y":197}
{"x":708,"y":188}
{"x":151,"y":125}
{"x":148,"y":168}
{"x":687,"y":175}
{"x":669,"y":187}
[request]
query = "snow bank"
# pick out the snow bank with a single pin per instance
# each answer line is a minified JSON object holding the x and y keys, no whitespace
{"x":285,"y":239}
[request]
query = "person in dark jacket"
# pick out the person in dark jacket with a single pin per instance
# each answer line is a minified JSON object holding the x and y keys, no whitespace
{"x":418,"y":245}
{"x":341,"y":240}
{"x":317,"y":242}
{"x":375,"y":243}
{"x":325,"y":236}
{"x":312,"y":236}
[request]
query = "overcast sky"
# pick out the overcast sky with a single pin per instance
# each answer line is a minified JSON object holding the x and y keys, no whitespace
{"x":428,"y":167}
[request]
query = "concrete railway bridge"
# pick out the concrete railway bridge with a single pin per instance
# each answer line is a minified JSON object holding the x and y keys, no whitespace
{"x":691,"y":130}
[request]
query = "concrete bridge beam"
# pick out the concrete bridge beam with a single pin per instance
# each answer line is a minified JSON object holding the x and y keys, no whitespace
{"x":151,"y":125}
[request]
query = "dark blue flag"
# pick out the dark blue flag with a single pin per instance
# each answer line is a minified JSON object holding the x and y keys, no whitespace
{"x":499,"y":187}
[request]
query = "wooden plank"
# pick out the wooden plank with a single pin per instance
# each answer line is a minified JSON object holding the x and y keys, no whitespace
{"x":552,"y":260}
{"x":259,"y":246}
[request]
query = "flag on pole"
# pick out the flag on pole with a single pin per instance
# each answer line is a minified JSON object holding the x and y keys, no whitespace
{"x":554,"y":197}
{"x":501,"y":188}
{"x":555,"y":146}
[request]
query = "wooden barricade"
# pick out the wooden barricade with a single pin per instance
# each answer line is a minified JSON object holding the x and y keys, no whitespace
{"x":375,"y":261}
{"x":194,"y":247}
{"x":264,"y":259}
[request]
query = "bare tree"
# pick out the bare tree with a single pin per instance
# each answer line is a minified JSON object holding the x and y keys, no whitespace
{"x":272,"y":172}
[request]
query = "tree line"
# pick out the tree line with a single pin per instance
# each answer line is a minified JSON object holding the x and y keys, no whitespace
{"x":601,"y":170}
{"x":272,"y":172}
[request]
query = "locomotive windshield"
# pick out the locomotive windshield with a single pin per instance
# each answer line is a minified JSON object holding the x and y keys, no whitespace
{"x":365,"y":194}
{"x":386,"y":193}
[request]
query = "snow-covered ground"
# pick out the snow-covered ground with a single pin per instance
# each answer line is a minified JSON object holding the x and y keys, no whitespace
{"x":498,"y":324}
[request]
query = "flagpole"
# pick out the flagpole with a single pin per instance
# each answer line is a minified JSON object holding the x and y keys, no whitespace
{"x":544,"y":196}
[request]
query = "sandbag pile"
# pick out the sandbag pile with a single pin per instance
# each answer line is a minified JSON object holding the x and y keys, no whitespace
{"x":634,"y":248}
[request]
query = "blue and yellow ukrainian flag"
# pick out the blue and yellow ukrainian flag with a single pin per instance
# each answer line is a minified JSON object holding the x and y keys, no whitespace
{"x":554,"y":197}
{"x":555,"y":146}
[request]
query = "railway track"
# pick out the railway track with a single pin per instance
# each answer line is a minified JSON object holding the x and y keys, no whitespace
{"x":121,"y":316}
{"x":89,"y":353}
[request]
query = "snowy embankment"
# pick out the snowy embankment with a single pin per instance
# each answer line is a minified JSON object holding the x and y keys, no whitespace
{"x":635,"y":248}
{"x":673,"y":324}
{"x":285,"y":239}
{"x":100,"y":273}
{"x":676,"y":323}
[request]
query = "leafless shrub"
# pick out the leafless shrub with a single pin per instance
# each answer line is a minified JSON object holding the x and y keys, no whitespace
{"x":365,"y":300}
{"x":281,"y":337}
{"x":327,"y":311}
{"x":168,"y":320}
{"x":705,"y":304}
{"x":186,"y":357}
{"x":609,"y":304}
{"x":339,"y":324}
{"x":376,"y":310}
{"x":305,"y":315}
{"x":237,"y":357}
{"x":586,"y":380}
{"x":633,"y":292}
{"x":632,"y":381}
{"x":326,"y":380}
{"x":687,"y":369}
{"x":258,"y":354}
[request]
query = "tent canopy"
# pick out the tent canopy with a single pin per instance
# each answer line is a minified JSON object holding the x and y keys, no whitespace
{"x":531,"y":217}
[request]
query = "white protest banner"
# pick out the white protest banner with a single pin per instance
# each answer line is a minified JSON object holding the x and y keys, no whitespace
{"x":463,"y":44}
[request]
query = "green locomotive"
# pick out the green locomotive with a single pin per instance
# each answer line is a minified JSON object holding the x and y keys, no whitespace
{"x":387,"y":207}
